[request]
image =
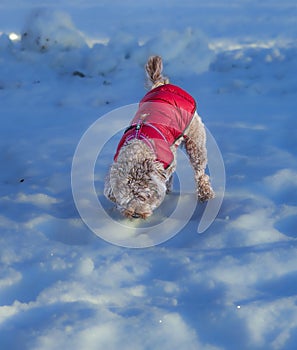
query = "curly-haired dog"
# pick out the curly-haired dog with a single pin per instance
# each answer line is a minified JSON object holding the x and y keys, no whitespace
{"x":145,"y":160}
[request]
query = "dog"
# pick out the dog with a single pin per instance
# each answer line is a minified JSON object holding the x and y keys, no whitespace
{"x":145,"y":160}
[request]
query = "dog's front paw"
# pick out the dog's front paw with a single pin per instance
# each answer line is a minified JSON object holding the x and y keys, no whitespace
{"x":205,"y":191}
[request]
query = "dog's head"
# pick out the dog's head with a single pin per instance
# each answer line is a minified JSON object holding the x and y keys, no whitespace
{"x":136,"y":184}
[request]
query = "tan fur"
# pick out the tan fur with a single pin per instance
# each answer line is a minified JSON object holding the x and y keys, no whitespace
{"x":137,"y":182}
{"x":154,"y":69}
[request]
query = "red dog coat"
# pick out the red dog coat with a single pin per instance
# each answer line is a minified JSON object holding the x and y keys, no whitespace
{"x":163,"y":115}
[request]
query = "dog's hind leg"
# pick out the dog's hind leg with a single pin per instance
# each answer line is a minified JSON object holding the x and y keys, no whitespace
{"x":195,"y":144}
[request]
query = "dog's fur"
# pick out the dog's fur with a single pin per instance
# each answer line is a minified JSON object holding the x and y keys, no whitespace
{"x":137,"y":182}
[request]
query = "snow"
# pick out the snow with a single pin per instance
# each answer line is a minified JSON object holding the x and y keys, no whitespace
{"x":232,"y":286}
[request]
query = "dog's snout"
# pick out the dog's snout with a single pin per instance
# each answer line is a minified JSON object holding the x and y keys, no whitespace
{"x":135,"y":216}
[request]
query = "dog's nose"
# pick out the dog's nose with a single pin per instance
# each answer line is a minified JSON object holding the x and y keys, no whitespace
{"x":135,"y":216}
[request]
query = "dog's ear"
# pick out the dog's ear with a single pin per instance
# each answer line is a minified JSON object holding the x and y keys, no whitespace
{"x":108,"y":192}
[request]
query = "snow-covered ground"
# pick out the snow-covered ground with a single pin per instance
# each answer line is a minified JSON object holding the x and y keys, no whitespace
{"x":233,"y":286}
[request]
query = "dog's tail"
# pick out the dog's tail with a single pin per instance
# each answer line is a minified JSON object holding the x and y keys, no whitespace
{"x":154,"y":67}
